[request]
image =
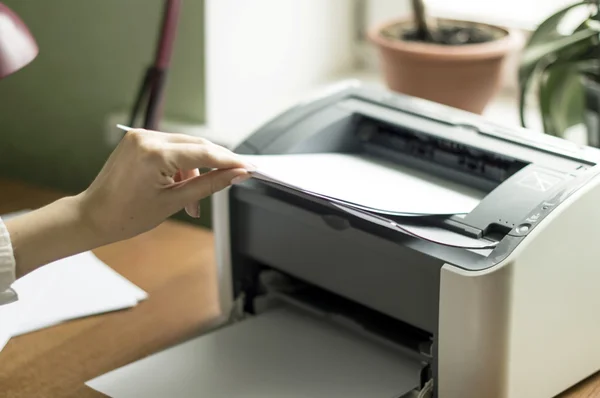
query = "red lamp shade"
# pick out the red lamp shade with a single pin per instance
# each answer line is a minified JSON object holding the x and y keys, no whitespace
{"x":17,"y":45}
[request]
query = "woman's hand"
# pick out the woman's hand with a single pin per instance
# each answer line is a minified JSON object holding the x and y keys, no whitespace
{"x":149,"y":177}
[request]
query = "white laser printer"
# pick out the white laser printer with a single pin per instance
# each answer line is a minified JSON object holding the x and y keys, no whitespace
{"x":327,"y":301}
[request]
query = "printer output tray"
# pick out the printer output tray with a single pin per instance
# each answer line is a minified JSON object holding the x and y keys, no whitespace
{"x":283,"y":353}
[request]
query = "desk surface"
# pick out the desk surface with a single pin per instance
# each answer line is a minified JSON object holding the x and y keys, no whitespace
{"x":175,"y":264}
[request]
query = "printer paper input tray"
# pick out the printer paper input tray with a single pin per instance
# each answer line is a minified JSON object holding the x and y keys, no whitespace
{"x":284,"y":352}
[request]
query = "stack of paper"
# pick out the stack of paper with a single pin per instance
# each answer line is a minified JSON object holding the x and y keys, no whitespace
{"x":377,"y":190}
{"x":70,"y":288}
{"x":368,"y":183}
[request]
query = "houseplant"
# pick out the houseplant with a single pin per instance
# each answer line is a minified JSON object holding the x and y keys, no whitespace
{"x":564,"y":68}
{"x":457,"y":63}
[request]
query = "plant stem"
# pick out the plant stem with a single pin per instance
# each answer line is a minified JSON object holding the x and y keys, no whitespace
{"x":423,"y":31}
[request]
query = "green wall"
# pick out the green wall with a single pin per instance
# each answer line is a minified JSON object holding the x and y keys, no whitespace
{"x":93,"y":54}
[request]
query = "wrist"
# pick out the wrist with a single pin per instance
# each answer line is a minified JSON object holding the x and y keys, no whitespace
{"x":55,"y":231}
{"x":93,"y":218}
{"x":80,"y":223}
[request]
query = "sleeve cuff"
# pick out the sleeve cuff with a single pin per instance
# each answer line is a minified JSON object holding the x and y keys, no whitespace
{"x":7,"y":267}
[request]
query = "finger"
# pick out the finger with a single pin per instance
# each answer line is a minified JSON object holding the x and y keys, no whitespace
{"x":203,"y":186}
{"x":193,"y":208}
{"x":187,"y":139}
{"x":227,"y":152}
{"x":177,"y":177}
{"x":176,"y":138}
{"x":194,"y":156}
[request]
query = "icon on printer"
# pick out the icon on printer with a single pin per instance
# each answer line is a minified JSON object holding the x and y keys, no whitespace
{"x":539,"y":181}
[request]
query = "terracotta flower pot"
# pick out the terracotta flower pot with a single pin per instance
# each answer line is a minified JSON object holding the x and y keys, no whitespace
{"x":462,"y":76}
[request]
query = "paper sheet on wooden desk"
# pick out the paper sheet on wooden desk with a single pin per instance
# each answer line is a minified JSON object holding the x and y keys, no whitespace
{"x":368,"y":183}
{"x":67,"y":289}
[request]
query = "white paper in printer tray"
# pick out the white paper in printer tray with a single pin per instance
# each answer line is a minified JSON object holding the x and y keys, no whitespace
{"x":283,"y":353}
{"x":368,"y":183}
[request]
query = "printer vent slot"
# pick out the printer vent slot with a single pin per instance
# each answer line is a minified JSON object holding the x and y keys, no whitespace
{"x":417,"y":148}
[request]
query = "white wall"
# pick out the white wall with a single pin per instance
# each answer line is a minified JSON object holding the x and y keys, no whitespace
{"x":376,"y":12}
{"x":379,"y":11}
{"x":262,"y":54}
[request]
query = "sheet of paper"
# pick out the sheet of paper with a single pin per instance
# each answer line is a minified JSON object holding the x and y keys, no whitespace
{"x":70,"y":288}
{"x":73,"y":287}
{"x":7,"y":322}
{"x":284,"y":353}
{"x":368,"y":183}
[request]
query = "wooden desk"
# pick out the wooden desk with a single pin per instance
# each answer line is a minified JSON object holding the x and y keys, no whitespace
{"x":175,"y":264}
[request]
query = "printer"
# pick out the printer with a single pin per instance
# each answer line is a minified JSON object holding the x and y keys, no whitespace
{"x":405,"y":316}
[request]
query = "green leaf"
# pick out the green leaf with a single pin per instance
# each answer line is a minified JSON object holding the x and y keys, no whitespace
{"x":561,"y":98}
{"x":546,"y":33}
{"x":538,"y":70}
{"x":548,"y":29}
{"x":545,"y":50}
{"x":538,"y":59}
{"x":562,"y":93}
{"x":589,"y":66}
{"x":533,"y":55}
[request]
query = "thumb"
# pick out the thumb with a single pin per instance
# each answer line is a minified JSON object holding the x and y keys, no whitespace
{"x":197,"y":188}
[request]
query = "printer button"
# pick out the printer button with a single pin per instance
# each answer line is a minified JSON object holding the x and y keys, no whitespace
{"x":523,"y":228}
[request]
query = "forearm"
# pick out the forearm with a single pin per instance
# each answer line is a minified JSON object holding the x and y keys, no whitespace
{"x":50,"y":233}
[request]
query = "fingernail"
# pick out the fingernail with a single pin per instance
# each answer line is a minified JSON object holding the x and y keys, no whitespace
{"x":250,"y":167}
{"x":240,"y":179}
{"x":193,"y":210}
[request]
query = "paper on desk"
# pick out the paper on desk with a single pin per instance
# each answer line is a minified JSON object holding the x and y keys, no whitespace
{"x":365,"y":182}
{"x":7,"y":320}
{"x":70,"y":288}
{"x":74,"y":287}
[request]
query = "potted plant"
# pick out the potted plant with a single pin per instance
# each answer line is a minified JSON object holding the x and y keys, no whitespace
{"x":564,"y":68}
{"x":456,"y":63}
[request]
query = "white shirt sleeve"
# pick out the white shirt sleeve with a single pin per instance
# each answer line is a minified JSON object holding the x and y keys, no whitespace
{"x":7,"y":267}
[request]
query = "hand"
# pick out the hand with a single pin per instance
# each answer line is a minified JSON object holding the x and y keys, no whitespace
{"x":151,"y":175}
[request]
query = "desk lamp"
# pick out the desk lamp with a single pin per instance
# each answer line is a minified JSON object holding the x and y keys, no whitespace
{"x":17,"y":45}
